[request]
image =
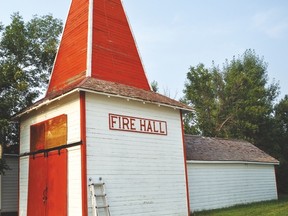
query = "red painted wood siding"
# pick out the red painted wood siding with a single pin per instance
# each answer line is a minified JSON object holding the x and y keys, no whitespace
{"x":115,"y":57}
{"x":71,"y":61}
{"x":114,"y":54}
{"x":37,"y":185}
{"x":47,"y":189}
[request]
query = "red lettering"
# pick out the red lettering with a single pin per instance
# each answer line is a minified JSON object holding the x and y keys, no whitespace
{"x":132,"y":124}
{"x":149,"y":127}
{"x":125,"y":122}
{"x":119,"y":123}
{"x":142,"y":125}
{"x":161,"y":131}
{"x":113,"y":121}
{"x":154,"y":127}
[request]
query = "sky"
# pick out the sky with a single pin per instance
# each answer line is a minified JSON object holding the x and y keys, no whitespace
{"x":173,"y":35}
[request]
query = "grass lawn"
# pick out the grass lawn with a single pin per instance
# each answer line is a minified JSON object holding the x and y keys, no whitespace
{"x":269,"y":208}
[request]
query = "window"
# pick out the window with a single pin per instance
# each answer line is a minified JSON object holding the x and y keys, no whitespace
{"x":49,"y":134}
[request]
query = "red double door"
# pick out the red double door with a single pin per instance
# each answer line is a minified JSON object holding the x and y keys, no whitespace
{"x":47,"y":186}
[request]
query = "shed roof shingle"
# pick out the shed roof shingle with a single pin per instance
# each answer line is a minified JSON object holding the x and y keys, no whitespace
{"x":216,"y":149}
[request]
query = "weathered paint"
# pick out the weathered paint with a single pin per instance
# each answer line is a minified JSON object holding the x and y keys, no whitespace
{"x":47,"y":189}
{"x":115,"y":57}
{"x":71,"y":60}
{"x":141,"y":171}
{"x":37,"y":186}
{"x":9,"y":186}
{"x":218,"y":185}
{"x":104,"y":39}
{"x":83,"y":152}
{"x":185,"y":159}
{"x":144,"y":173}
{"x":49,"y":134}
{"x":71,"y":107}
{"x":137,"y":125}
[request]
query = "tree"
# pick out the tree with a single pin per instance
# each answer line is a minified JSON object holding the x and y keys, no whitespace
{"x":235,"y":102}
{"x":202,"y":92}
{"x":27,"y":52}
{"x":248,"y":97}
{"x":281,"y":115}
{"x":154,"y":86}
{"x":281,"y":126}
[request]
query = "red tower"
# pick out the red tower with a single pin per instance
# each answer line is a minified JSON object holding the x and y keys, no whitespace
{"x":101,"y":120}
{"x":97,"y":42}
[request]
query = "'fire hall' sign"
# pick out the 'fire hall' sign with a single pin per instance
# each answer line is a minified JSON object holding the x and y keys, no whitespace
{"x":138,"y":125}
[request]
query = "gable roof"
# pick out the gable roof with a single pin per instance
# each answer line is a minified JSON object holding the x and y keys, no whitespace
{"x":216,"y":149}
{"x":97,"y":42}
{"x":113,"y":89}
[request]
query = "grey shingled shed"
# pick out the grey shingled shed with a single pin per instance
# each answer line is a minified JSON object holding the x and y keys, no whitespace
{"x":223,"y":173}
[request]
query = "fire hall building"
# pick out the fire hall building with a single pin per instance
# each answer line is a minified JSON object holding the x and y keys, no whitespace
{"x":101,"y":142}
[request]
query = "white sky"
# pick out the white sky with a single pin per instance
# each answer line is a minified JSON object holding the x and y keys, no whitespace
{"x":173,"y":35}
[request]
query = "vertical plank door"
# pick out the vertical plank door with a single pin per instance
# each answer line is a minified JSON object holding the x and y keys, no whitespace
{"x":47,"y":187}
{"x":57,"y":183}
{"x":37,"y":185}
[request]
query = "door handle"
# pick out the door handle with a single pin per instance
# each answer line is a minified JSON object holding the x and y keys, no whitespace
{"x":45,"y":195}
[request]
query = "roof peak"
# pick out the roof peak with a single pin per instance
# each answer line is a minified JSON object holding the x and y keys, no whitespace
{"x":97,"y":42}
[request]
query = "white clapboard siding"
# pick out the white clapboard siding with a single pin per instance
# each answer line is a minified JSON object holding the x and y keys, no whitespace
{"x":74,"y":181}
{"x":9,"y":186}
{"x":70,"y":106}
{"x":218,"y":185}
{"x":23,"y":185}
{"x":144,"y":173}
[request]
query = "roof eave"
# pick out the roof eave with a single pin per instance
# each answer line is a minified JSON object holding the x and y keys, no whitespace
{"x":45,"y":102}
{"x":48,"y":101}
{"x":137,"y":99}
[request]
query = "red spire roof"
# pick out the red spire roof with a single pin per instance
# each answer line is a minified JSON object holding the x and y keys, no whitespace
{"x":97,"y":42}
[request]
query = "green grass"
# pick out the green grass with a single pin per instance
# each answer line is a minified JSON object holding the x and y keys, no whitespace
{"x":269,"y":208}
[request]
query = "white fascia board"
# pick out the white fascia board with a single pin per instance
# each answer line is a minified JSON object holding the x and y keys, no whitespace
{"x":229,"y":162}
{"x":136,"y":99}
{"x":90,"y":39}
{"x":46,"y":102}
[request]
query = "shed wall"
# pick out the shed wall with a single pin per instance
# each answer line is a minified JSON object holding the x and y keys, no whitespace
{"x":70,"y":106}
{"x":144,"y":174}
{"x":213,"y":186}
{"x":9,"y":186}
